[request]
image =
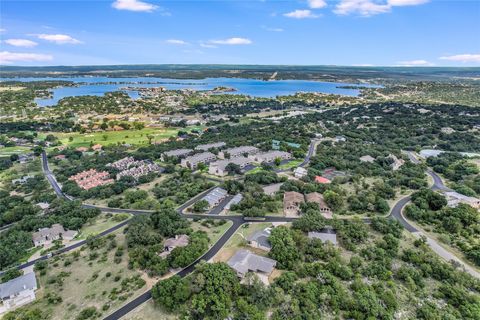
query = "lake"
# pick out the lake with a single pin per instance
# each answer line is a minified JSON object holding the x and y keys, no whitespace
{"x":256,"y":88}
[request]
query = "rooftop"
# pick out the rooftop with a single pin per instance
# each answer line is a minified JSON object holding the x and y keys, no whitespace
{"x":244,"y":261}
{"x":17,"y":285}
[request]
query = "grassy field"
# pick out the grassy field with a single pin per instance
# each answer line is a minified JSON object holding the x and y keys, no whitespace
{"x":214,"y":233}
{"x":92,"y":279}
{"x":149,"y":311}
{"x":7,"y":151}
{"x":101,"y":223}
{"x":133,"y":137}
{"x":290,"y":165}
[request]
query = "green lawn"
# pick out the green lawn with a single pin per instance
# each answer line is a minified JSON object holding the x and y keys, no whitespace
{"x":97,"y":225}
{"x":133,"y":137}
{"x":291,"y":164}
{"x":7,"y":151}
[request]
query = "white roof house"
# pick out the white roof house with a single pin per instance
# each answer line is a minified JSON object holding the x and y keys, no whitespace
{"x":55,"y":232}
{"x":177,"y":153}
{"x":244,"y":261}
{"x":326,"y":235}
{"x":215,"y":196}
{"x":259,"y":239}
{"x":300,"y":172}
{"x":235,"y":200}
{"x":18,"y":292}
{"x":367,"y":158}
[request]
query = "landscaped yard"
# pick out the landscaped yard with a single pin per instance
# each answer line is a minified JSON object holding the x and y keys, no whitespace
{"x":214,"y":232}
{"x":7,"y":151}
{"x":291,"y":164}
{"x":88,"y":278}
{"x":133,"y":137}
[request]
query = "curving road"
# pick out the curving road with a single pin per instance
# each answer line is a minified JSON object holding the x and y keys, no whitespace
{"x":237,"y":221}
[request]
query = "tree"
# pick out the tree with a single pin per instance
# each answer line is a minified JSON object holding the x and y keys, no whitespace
{"x":233,"y":168}
{"x":333,"y":199}
{"x":171,"y":293}
{"x":201,"y":206}
{"x":283,"y":249}
{"x":277,"y":161}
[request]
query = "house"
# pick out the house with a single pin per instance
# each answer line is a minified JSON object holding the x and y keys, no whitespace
{"x":447,"y":130}
{"x":332,"y":173}
{"x":178,"y":241}
{"x":193,"y":161}
{"x":244,"y":261}
{"x":91,"y":178}
{"x":177,"y":154}
{"x":323,"y":180}
{"x":259,"y":239}
{"x":55,"y":232}
{"x":340,"y":139}
{"x":235,"y":200}
{"x":454,"y":199}
{"x":397,"y":163}
{"x":215,"y":196}
{"x":317,"y":198}
{"x":43,"y":205}
{"x":270,"y":156}
{"x":82,"y":149}
{"x":367,"y":158}
{"x":97,"y":147}
{"x":291,"y":203}
{"x":219,"y":168}
{"x":208,"y":146}
{"x":24,"y":158}
{"x":271,"y":189}
{"x":22,"y":180}
{"x":300,"y":172}
{"x":17,"y":292}
{"x":237,"y":152}
{"x":326,"y":235}
{"x":59,"y":157}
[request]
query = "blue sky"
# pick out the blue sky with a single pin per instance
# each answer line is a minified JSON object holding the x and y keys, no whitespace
{"x":313,"y":32}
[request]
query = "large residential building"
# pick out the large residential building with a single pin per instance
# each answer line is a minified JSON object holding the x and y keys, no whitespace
{"x":215,"y":196}
{"x":55,"y":232}
{"x":205,"y":147}
{"x":193,"y":161}
{"x":244,"y":261}
{"x":455,"y":198}
{"x":291,"y":203}
{"x":91,"y":178}
{"x":300,"y":172}
{"x":270,"y":156}
{"x":17,"y":292}
{"x":238,"y":152}
{"x":218,"y":168}
{"x":177,"y":153}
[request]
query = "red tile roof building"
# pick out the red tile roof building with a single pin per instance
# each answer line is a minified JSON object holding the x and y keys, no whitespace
{"x":91,"y":178}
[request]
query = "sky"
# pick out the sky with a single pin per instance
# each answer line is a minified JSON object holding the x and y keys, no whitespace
{"x":303,"y":32}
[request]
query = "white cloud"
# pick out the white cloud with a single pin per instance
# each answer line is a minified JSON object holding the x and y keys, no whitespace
{"x":231,"y":41}
{"x":367,"y":8}
{"x":415,"y":63}
{"x":463,"y":58}
{"x":134,"y":5}
{"x":317,"y":4}
{"x":301,"y":14}
{"x":274,"y":29}
{"x":176,"y":41}
{"x":7,"y":57}
{"x":21,"y":43}
{"x":3,"y":30}
{"x":206,"y":45}
{"x":401,"y":3}
{"x":364,"y":8}
{"x":58,"y":38}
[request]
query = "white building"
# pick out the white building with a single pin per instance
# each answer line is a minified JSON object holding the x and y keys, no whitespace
{"x":270,"y":156}
{"x":218,"y":168}
{"x":177,"y":153}
{"x":300,"y":172}
{"x":244,"y":261}
{"x":193,"y":161}
{"x":215,"y":196}
{"x":238,"y":152}
{"x":17,"y":292}
{"x":326,"y":235}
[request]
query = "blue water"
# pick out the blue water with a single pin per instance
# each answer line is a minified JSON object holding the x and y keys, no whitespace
{"x":251,"y":87}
